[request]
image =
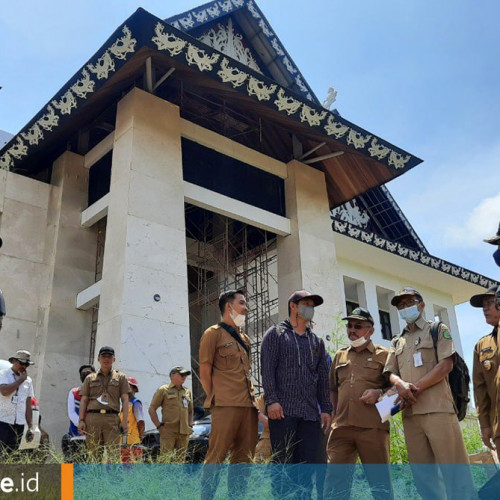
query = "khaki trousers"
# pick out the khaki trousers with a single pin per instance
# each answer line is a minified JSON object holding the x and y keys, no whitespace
{"x":345,"y":445}
{"x":233,"y":428}
{"x":171,"y":441}
{"x":103,"y":430}
{"x":436,"y":438}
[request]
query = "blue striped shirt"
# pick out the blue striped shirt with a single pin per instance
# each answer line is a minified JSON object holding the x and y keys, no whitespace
{"x":295,"y":372}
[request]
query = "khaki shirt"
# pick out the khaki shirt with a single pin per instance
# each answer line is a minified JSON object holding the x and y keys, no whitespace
{"x":231,"y":383}
{"x":261,"y":406}
{"x":350,"y":375}
{"x":176,"y":407}
{"x":114,"y":384}
{"x":484,"y":376}
{"x":401,"y":361}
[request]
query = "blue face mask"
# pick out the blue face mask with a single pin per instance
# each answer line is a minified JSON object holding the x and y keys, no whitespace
{"x":496,"y":257}
{"x":410,"y":314}
{"x":306,"y":312}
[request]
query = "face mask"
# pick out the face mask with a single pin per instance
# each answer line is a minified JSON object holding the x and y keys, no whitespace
{"x":306,"y":312}
{"x":239,"y":319}
{"x":410,"y":314}
{"x":358,"y":342}
{"x":496,"y":257}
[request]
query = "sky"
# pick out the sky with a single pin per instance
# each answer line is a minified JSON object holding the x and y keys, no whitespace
{"x":423,"y":75}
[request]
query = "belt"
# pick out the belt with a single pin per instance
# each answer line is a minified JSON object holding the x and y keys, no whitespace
{"x":104,"y":411}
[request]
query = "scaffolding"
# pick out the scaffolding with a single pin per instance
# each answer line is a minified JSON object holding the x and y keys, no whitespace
{"x":227,"y":254}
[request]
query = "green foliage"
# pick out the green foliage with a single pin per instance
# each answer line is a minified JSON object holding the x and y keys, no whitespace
{"x":338,"y":336}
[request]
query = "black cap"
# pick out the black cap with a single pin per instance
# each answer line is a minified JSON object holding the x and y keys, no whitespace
{"x":303,"y":294}
{"x":106,"y":350}
{"x":405,"y":292}
{"x":477,"y":300}
{"x":180,"y":370}
{"x":362,"y":314}
{"x":494,"y":240}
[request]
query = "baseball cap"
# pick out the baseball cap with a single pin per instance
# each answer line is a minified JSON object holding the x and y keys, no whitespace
{"x":180,"y":370}
{"x":404,"y":292}
{"x":106,"y":350}
{"x":303,"y":294}
{"x":360,"y":313}
{"x":477,"y":300}
{"x":494,"y":240}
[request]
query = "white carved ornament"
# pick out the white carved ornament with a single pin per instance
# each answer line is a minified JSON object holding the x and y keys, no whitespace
{"x":34,"y":135}
{"x":168,"y":41}
{"x":334,"y":128}
{"x":6,"y":161}
{"x":260,"y":89}
{"x":286,"y":103}
{"x":200,"y":58}
{"x":49,"y":120}
{"x":226,"y":40}
{"x":310,"y":116}
{"x":104,"y":66}
{"x":357,"y":139}
{"x":66,"y":104}
{"x":377,"y":150}
{"x":84,"y":85}
{"x":398,"y":160}
{"x":330,"y":98}
{"x":124,"y":45}
{"x":351,"y":213}
{"x":228,"y":74}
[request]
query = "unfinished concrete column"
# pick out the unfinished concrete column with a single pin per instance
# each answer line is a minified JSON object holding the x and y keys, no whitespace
{"x":306,"y":258}
{"x":143,"y":311}
{"x":63,"y":334}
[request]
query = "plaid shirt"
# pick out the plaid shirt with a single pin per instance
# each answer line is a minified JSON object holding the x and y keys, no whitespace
{"x":295,"y":372}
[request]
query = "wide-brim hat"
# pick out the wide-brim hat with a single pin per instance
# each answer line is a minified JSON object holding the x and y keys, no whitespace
{"x":23,"y":357}
{"x":180,"y":370}
{"x":406,"y":291}
{"x":304,"y":294}
{"x":360,"y":313}
{"x":477,"y":300}
{"x":494,"y":240}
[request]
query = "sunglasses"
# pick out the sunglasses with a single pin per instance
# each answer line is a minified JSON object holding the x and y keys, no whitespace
{"x":357,"y":326}
{"x":23,"y":363}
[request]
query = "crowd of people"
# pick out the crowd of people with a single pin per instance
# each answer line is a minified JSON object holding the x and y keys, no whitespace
{"x":314,"y":409}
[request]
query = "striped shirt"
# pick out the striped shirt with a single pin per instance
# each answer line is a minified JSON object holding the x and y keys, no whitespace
{"x":295,"y":372}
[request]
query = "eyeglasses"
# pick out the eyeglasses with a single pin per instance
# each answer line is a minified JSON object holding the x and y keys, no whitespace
{"x":405,"y":304}
{"x":23,"y":363}
{"x":357,"y":326}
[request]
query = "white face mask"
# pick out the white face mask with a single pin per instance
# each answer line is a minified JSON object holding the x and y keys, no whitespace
{"x":358,"y":342}
{"x":239,"y":319}
{"x":410,"y":314}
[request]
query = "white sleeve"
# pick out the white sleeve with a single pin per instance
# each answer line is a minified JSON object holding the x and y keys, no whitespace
{"x":73,"y":416}
{"x":138,"y":412}
{"x":31,"y":393}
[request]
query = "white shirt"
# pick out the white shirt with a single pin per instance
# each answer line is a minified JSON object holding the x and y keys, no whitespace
{"x":13,"y":406}
{"x":72,"y":412}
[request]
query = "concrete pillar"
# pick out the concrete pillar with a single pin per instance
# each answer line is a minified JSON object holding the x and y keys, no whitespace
{"x":373,"y":307}
{"x":306,"y":258}
{"x":143,"y":311}
{"x":63,"y":336}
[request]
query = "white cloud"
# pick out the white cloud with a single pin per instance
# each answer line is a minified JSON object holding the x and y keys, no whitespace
{"x":481,"y":223}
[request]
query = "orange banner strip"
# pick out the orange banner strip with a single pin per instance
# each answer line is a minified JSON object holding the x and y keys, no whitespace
{"x":66,"y":481}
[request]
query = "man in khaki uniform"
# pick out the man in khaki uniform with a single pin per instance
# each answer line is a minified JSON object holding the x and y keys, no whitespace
{"x":419,"y":372}
{"x":356,"y":383}
{"x":485,"y":371}
{"x":225,"y":376}
{"x":176,"y":405}
{"x":100,"y":406}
